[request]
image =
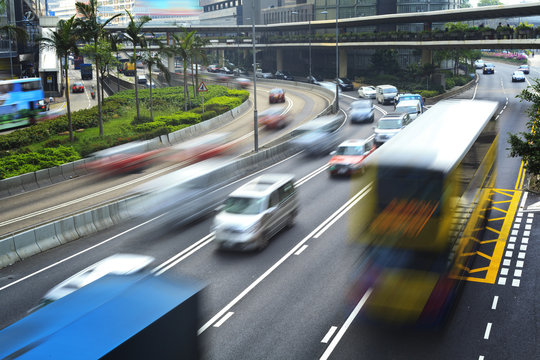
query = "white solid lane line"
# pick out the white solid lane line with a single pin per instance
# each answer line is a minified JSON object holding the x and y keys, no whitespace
{"x":329,"y":334}
{"x":225,"y":318}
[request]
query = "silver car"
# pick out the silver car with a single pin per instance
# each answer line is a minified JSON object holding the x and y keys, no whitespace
{"x":255,"y":212}
{"x":367,"y":92}
{"x":390,"y":125}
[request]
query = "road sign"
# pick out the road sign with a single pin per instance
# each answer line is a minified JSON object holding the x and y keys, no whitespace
{"x":202,"y":87}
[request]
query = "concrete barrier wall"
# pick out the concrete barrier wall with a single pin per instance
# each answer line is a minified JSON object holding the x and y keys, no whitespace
{"x":22,"y":245}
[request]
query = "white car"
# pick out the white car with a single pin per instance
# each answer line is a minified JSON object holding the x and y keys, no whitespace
{"x":367,"y":92}
{"x":479,"y":64}
{"x":518,"y":76}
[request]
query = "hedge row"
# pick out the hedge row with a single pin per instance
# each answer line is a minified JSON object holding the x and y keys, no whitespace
{"x":14,"y":165}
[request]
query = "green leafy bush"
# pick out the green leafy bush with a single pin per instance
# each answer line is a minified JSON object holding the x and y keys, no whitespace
{"x":14,"y":165}
{"x":428,"y":93}
{"x":150,"y":126}
{"x":242,"y":94}
{"x":450,"y":83}
{"x":229,"y":102}
{"x":208,"y":115}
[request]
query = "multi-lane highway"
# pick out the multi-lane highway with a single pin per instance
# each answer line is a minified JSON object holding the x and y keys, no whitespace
{"x":287,"y":302}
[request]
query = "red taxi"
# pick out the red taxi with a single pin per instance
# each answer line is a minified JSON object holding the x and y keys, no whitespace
{"x":277,"y":95}
{"x":273,"y":118}
{"x":349,"y":156}
{"x":77,"y":87}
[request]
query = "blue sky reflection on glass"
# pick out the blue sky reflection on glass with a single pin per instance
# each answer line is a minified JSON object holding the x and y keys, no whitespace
{"x":169,"y":6}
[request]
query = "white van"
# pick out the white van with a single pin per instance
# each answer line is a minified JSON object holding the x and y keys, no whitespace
{"x":255,"y":212}
{"x":412,"y":107}
{"x":386,"y":94}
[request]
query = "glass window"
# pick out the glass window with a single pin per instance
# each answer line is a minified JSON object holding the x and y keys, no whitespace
{"x":244,"y":205}
{"x":31,"y":85}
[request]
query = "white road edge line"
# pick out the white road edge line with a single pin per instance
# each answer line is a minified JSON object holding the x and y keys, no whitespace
{"x":346,"y":325}
{"x":225,"y":318}
{"x":301,"y":250}
{"x":329,"y":334}
{"x":495,"y":301}
{"x":269,"y":271}
{"x":77,"y":254}
{"x":488,"y":330}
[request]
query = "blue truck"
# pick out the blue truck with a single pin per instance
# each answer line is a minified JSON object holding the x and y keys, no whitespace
{"x":138,"y":316}
{"x":86,"y":71}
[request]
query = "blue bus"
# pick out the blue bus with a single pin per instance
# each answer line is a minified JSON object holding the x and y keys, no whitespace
{"x":22,"y":102}
{"x":137,"y":316}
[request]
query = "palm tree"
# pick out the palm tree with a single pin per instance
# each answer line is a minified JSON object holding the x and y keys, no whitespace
{"x":92,"y":29}
{"x":198,"y":52}
{"x":134,"y":34}
{"x":64,"y":42}
{"x":182,"y":46}
{"x":115,"y":39}
{"x":151,"y":59}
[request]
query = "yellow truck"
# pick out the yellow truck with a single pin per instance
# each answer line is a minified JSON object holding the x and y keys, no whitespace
{"x":129,"y":69}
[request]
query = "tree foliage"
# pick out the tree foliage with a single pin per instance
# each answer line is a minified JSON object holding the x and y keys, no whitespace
{"x":527,"y":144}
{"x":385,"y":61}
{"x":489,"y":2}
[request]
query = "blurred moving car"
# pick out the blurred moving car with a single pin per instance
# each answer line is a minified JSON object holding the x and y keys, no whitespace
{"x":349,"y":156}
{"x":408,"y":96}
{"x":367,"y":92}
{"x":362,"y":111}
{"x":488,"y":68}
{"x":77,"y":87}
{"x":264,"y":75}
{"x":213,"y":68}
{"x":118,"y":264}
{"x":283,"y":75}
{"x":240,"y":71}
{"x":319,"y":136}
{"x":390,"y":125}
{"x":255,"y":212}
{"x":124,"y":158}
{"x":386,"y":94}
{"x":479,"y":64}
{"x":243,"y":83}
{"x":225,"y":70}
{"x":518,"y":76}
{"x":277,"y":95}
{"x":273,"y":118}
{"x":345,"y":84}
{"x":524,"y":68}
{"x":314,"y":79}
{"x":199,"y":149}
{"x":42,"y":105}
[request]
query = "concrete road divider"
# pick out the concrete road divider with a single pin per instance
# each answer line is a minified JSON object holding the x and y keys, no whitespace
{"x":8,"y":253}
{"x":25,"y":244}
{"x":101,"y":218}
{"x":29,"y":182}
{"x":42,"y":178}
{"x":84,"y":224}
{"x":46,"y":237}
{"x":55,"y":174}
{"x":65,"y":230}
{"x":14,"y":185}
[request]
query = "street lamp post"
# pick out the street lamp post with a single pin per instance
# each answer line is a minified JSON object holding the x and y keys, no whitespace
{"x":255,"y":120}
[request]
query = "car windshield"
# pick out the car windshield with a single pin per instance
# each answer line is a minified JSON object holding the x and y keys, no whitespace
{"x":361,"y":105}
{"x":408,"y":109}
{"x":243,"y":205}
{"x":389,"y":124}
{"x":350,"y":150}
{"x":276,"y":91}
{"x":78,"y":84}
{"x":518,"y":73}
{"x":346,"y":81}
{"x":389,"y":90}
{"x":488,"y":65}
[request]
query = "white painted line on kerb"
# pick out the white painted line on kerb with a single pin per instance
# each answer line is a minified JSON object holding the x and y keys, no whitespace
{"x":488,"y":330}
{"x":301,"y":250}
{"x":495,"y":301}
{"x":346,"y":325}
{"x":269,"y":271}
{"x":329,"y":334}
{"x":77,"y":254}
{"x":481,"y":357}
{"x":225,"y":318}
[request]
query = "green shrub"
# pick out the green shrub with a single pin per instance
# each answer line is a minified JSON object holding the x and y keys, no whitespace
{"x":140,"y":120}
{"x":242,"y":94}
{"x":180,"y":118}
{"x":428,"y":93}
{"x":14,"y":165}
{"x":208,"y":115}
{"x":150,"y":126}
{"x":449,"y":83}
{"x":229,"y":102}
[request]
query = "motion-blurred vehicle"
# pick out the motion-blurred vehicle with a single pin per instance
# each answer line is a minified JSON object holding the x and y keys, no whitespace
{"x":386,"y":94}
{"x":389,"y":126}
{"x":318,"y":136}
{"x":273,"y":118}
{"x":118,"y":264}
{"x":199,"y":149}
{"x":518,"y":76}
{"x":264,"y":75}
{"x":362,"y":111}
{"x":345,"y":84}
{"x":213,"y":68}
{"x":243,"y":83}
{"x":283,"y":75}
{"x":240,"y":71}
{"x":412,"y":107}
{"x":225,"y":70}
{"x":479,"y":64}
{"x":43,"y":105}
{"x":367,"y":92}
{"x":314,"y":79}
{"x":130,"y":157}
{"x":77,"y":87}
{"x":349,"y":157}
{"x":184,"y":195}
{"x":488,"y":68}
{"x":129,"y":69}
{"x":524,"y":68}
{"x":224,"y":77}
{"x":255,"y":212}
{"x":277,"y":95}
